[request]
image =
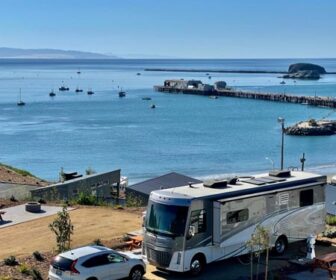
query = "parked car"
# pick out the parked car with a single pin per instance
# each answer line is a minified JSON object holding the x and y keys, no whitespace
{"x":96,"y":263}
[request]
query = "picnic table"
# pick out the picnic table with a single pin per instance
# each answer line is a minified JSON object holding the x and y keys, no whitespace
{"x":135,"y":242}
{"x":325,"y":262}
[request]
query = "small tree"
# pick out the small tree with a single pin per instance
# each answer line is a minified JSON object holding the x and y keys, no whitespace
{"x":90,"y":171}
{"x":259,"y":242}
{"x":61,"y":175}
{"x":63,"y":228}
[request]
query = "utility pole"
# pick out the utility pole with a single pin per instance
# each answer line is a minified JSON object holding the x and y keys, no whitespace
{"x":282,"y":122}
{"x":302,"y":160}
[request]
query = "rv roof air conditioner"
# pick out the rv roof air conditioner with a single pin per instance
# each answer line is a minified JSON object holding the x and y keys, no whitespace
{"x":216,"y":184}
{"x":280,"y":173}
{"x":233,"y":181}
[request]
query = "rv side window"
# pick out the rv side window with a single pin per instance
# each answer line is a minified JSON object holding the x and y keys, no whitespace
{"x":306,"y":198}
{"x":198,"y":220}
{"x":237,"y":216}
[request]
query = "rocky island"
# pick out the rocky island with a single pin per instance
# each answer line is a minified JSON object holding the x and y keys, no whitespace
{"x":312,"y":127}
{"x":304,"y":71}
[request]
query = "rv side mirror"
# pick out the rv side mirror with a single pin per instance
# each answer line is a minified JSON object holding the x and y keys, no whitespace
{"x":191,"y":231}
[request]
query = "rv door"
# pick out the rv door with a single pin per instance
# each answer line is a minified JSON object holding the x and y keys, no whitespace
{"x":216,"y":223}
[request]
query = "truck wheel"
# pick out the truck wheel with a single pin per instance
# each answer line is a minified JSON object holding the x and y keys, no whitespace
{"x":280,"y":245}
{"x":197,"y":265}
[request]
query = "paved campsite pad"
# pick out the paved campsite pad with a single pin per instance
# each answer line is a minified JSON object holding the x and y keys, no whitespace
{"x":18,"y":214}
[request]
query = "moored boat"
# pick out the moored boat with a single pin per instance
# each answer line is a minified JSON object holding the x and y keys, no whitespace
{"x":63,"y":88}
{"x":20,"y":102}
{"x":52,"y":93}
{"x":122,"y":93}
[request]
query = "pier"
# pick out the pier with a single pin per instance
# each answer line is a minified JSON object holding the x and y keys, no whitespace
{"x":206,"y":90}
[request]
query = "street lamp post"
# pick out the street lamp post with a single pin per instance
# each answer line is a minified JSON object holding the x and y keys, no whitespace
{"x":282,"y":122}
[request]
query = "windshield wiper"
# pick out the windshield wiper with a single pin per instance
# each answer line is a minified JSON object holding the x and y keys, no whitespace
{"x":159,"y":232}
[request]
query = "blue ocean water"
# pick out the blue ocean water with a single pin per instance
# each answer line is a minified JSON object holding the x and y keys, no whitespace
{"x":193,"y":135}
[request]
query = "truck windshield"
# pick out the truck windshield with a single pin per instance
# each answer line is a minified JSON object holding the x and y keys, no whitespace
{"x":167,"y":219}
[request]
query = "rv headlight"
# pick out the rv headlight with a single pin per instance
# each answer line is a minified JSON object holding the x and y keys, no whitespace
{"x":178,"y":261}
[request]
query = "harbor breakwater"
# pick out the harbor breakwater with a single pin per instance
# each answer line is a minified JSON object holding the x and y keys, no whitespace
{"x":220,"y":71}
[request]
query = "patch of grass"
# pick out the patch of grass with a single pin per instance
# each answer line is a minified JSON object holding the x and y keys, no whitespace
{"x":330,"y":220}
{"x":10,"y":261}
{"x":24,"y":269}
{"x":22,"y":172}
{"x":5,"y":277}
{"x":35,"y":274}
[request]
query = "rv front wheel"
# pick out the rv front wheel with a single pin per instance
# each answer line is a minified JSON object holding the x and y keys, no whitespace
{"x":280,"y":245}
{"x":197,"y":265}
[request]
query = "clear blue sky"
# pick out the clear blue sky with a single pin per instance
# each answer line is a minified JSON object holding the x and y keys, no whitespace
{"x":174,"y":28}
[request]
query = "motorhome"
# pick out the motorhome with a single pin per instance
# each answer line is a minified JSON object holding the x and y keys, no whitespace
{"x":187,"y":227}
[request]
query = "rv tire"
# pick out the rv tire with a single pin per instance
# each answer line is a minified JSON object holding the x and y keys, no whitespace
{"x":280,"y":245}
{"x":197,"y":265}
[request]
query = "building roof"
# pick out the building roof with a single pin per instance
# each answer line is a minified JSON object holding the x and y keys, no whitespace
{"x":170,"y":180}
{"x":83,"y":178}
{"x":244,"y":186}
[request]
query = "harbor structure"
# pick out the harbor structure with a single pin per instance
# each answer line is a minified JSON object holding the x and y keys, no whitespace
{"x":207,"y":90}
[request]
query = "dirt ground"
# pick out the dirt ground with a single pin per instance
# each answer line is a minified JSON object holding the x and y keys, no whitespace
{"x":90,"y":223}
{"x":8,"y":175}
{"x":109,"y":224}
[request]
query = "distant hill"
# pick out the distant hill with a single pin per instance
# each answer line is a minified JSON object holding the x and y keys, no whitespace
{"x":50,"y":54}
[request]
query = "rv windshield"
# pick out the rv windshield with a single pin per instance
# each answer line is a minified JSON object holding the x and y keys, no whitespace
{"x":167,"y":219}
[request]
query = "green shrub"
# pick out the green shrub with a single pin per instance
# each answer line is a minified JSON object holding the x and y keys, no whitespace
{"x":330,"y":220}
{"x":330,"y":233}
{"x":38,"y":256}
{"x":86,"y":199}
{"x":24,"y":269}
{"x":5,"y":277}
{"x":126,"y":238}
{"x":97,"y":242}
{"x":134,"y":201}
{"x":63,"y":229}
{"x":13,"y":199}
{"x":90,"y":171}
{"x":11,"y":261}
{"x":35,"y":274}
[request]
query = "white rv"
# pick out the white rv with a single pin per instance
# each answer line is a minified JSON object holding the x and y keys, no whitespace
{"x":187,"y":227}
